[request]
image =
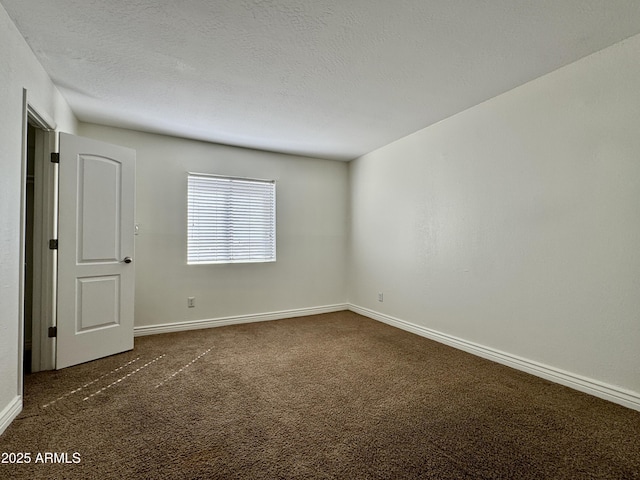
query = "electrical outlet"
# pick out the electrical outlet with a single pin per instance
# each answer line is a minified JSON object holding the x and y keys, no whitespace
{"x":191,"y":302}
{"x":380,"y":297}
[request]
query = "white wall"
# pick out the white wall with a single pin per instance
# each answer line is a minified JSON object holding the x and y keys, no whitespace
{"x":312,"y":215}
{"x":18,"y":69}
{"x":515,"y":225}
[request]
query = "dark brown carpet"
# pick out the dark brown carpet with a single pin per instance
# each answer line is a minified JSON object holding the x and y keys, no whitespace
{"x":328,"y":396}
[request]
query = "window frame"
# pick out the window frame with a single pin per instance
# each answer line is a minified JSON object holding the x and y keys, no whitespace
{"x":229,"y":259}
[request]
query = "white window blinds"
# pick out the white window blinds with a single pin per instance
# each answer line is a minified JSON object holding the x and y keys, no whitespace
{"x":230,"y":220}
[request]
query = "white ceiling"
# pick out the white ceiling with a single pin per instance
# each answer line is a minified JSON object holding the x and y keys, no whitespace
{"x":327,"y":78}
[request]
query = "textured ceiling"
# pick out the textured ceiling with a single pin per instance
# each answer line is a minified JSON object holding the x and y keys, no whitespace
{"x":326,"y":78}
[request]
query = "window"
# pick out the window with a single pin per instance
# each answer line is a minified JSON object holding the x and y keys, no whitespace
{"x":230,"y":219}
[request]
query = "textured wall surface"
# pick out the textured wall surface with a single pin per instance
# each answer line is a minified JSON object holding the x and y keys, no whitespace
{"x":18,"y":69}
{"x":329,"y":78}
{"x":516,"y":224}
{"x":311,"y":216}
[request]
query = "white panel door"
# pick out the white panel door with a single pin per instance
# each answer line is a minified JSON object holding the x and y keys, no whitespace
{"x":95,"y":250}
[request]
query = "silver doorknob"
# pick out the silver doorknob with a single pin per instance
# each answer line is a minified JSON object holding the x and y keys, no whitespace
{"x":127,"y":260}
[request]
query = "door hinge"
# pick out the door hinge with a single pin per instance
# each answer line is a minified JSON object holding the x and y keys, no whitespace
{"x":53,"y":244}
{"x":53,"y":332}
{"x":55,"y":157}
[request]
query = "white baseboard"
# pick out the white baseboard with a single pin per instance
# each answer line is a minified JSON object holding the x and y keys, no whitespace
{"x":599,"y":389}
{"x":235,"y":320}
{"x":9,"y":413}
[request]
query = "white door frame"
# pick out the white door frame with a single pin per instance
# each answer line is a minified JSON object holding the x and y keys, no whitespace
{"x":45,"y":228}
